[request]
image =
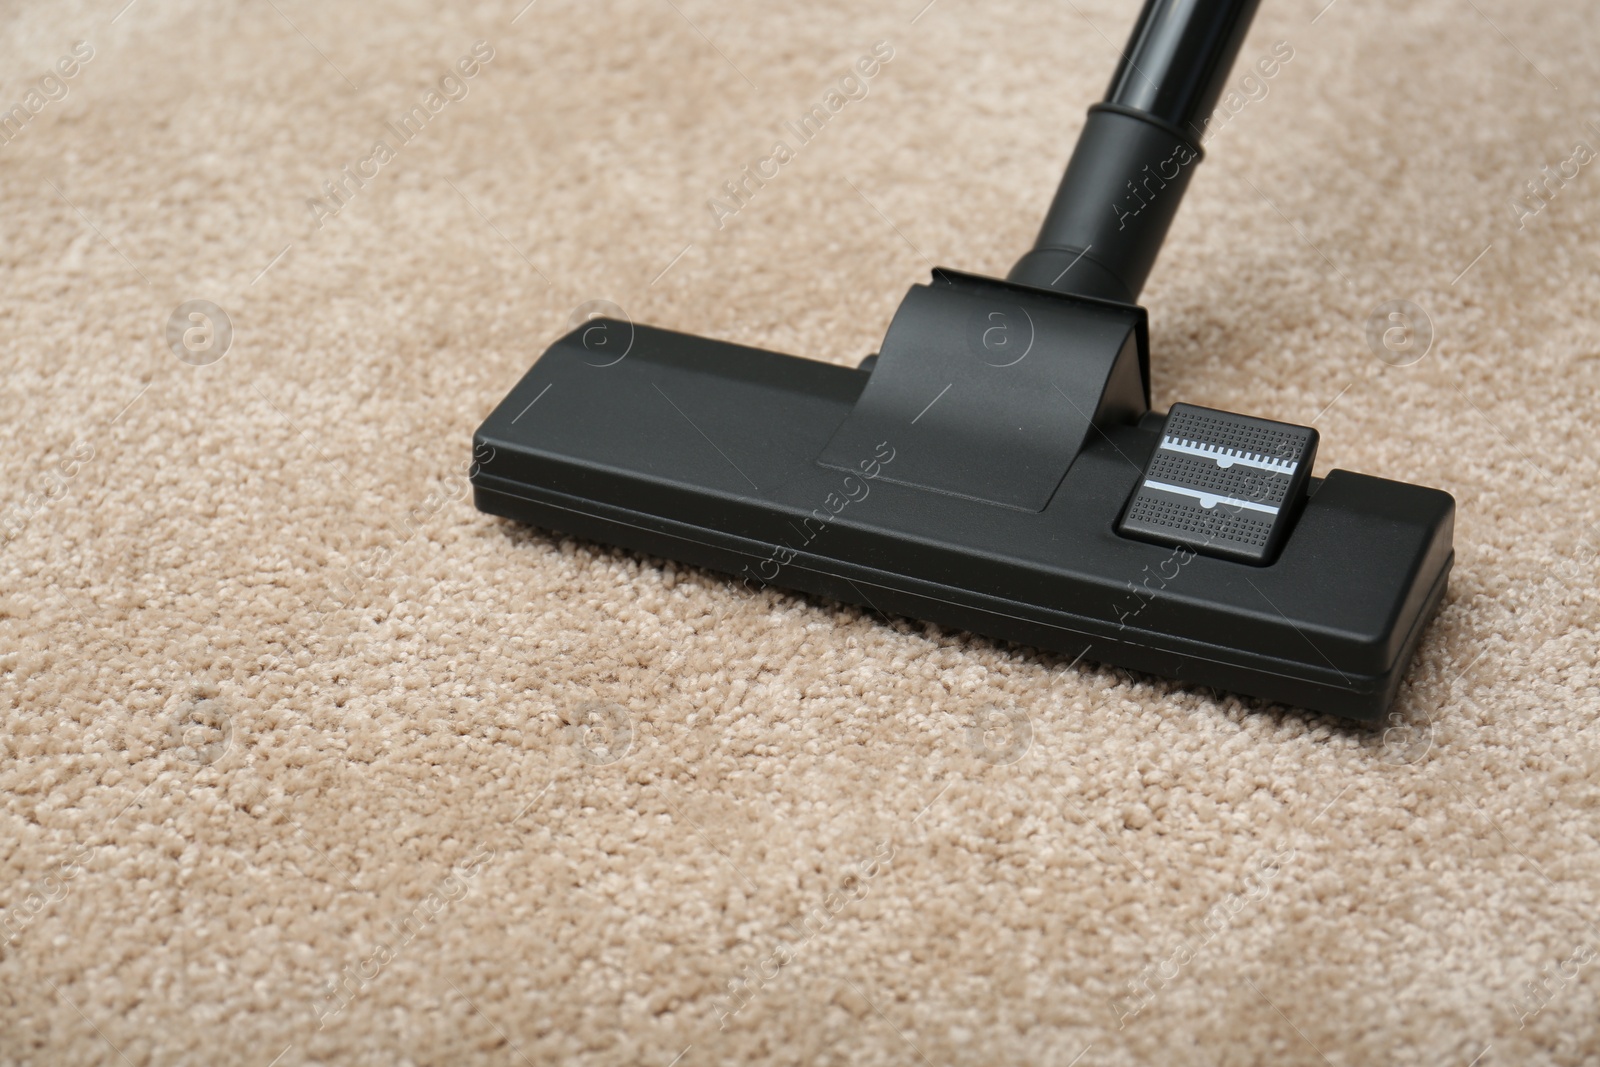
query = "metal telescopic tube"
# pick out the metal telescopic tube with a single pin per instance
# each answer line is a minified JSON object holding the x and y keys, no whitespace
{"x":1137,"y":151}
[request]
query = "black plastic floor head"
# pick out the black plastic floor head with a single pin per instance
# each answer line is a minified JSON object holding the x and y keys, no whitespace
{"x":997,"y":470}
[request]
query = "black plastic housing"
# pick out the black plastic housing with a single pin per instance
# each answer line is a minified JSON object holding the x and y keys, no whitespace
{"x":989,"y":472}
{"x":706,"y":452}
{"x":1112,"y":211}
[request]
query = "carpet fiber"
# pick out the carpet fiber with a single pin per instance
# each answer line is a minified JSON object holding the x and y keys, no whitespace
{"x":305,"y":758}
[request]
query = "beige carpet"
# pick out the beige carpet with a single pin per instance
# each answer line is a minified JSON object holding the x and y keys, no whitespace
{"x":305,"y":758}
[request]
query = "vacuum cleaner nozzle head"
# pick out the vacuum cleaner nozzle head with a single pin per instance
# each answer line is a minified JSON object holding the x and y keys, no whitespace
{"x":998,"y":468}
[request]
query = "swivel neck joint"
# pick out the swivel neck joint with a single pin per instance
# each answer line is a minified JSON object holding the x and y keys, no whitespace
{"x":1137,"y":152}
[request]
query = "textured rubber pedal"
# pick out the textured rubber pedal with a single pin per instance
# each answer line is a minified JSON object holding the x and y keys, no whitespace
{"x":1222,"y":484}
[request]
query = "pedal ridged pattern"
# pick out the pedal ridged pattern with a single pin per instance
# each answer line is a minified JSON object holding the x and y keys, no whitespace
{"x":1223,"y":484}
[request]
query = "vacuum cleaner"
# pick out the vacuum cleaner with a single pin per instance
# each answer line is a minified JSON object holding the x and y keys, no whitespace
{"x":995,"y":467}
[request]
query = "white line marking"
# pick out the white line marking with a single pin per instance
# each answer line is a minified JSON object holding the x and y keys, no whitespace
{"x":1074,"y":263}
{"x":932,"y":402}
{"x":97,"y":1029}
{"x":1474,"y":263}
{"x":130,"y":403}
{"x":720,"y":452}
{"x":1286,"y":1019}
{"x":1330,"y":804}
{"x":535,"y":800}
{"x":1514,"y":48}
{"x":669,"y":266}
{"x":1227,"y":457}
{"x":1332,"y":402}
{"x":1207,"y":500}
{"x":532,"y":402}
{"x":274,"y":262}
{"x":930,"y":803}
{"x":314,"y":48}
{"x":713,"y":45}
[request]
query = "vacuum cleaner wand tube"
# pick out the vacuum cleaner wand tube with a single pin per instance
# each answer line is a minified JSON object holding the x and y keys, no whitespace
{"x":1137,"y":151}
